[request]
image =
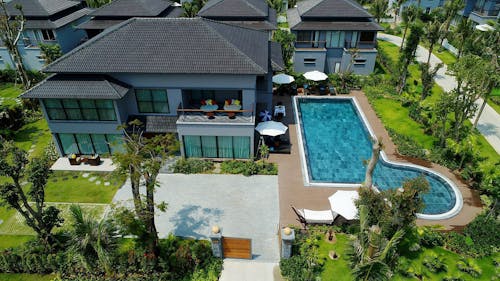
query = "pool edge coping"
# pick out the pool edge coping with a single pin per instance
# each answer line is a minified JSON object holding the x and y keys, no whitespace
{"x":305,"y":171}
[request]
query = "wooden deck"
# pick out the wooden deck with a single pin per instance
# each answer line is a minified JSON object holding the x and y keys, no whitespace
{"x":291,"y":183}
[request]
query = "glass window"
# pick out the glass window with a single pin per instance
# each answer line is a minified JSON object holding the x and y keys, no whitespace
{"x":192,"y":146}
{"x":209,"y":146}
{"x":367,"y":37}
{"x":100,"y":143}
{"x":84,"y":143}
{"x":241,"y":147}
{"x":335,"y":39}
{"x":68,"y":144}
{"x":73,"y":109}
{"x":225,"y":148}
{"x":303,"y":36}
{"x":48,"y":35}
{"x":152,"y":100}
{"x":115,"y":143}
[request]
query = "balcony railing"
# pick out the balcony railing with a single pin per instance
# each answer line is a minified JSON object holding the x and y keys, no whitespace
{"x":347,"y":44}
{"x":217,"y":115}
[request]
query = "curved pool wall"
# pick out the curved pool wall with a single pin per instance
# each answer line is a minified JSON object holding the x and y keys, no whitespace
{"x":334,"y":169}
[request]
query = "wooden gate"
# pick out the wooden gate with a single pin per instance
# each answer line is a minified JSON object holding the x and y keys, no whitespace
{"x":239,"y":248}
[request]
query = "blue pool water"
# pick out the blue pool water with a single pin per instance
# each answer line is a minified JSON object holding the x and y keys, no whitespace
{"x":336,"y":142}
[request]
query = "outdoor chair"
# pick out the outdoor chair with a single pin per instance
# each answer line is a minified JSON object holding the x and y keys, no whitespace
{"x":74,"y":159}
{"x":306,"y":216}
{"x":94,"y":160}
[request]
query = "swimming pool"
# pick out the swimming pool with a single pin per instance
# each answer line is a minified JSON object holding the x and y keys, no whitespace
{"x":335,"y":142}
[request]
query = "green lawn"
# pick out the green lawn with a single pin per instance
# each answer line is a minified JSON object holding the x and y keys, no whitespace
{"x":390,"y":49}
{"x":9,"y":94}
{"x":11,"y":241}
{"x":26,"y":277}
{"x":36,"y":133}
{"x":446,"y":56}
{"x":14,"y":225}
{"x":340,"y":269}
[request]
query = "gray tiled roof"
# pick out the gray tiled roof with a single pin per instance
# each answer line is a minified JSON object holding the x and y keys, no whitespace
{"x":48,"y":24}
{"x":331,"y":9}
{"x":338,"y":25}
{"x":162,"y":45}
{"x":83,"y":87}
{"x":277,"y":57}
{"x":134,"y":8}
{"x":235,"y":8}
{"x":40,"y":8}
{"x":98,"y":24}
{"x":156,"y":123}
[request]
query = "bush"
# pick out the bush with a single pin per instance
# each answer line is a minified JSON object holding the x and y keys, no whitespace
{"x":7,"y":75}
{"x":470,"y":267}
{"x":11,"y":119}
{"x":483,"y":231}
{"x":435,"y":263}
{"x":429,"y":237}
{"x":407,"y":146}
{"x":192,"y":166}
{"x":248,"y":168}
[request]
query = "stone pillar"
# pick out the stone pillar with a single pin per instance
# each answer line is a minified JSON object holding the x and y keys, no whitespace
{"x":287,"y":238}
{"x":216,"y":241}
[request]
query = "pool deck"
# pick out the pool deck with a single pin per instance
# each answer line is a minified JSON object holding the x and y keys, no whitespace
{"x":291,"y":182}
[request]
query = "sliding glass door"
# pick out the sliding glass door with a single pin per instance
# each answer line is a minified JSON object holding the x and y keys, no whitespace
{"x":90,"y":143}
{"x":216,"y":147}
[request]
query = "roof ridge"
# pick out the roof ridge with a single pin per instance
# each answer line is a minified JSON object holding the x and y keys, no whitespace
{"x":105,"y":5}
{"x":355,"y":5}
{"x":111,"y":86}
{"x":38,"y":84}
{"x":90,"y":42}
{"x":210,"y":7}
{"x":255,"y":8}
{"x":217,"y":33}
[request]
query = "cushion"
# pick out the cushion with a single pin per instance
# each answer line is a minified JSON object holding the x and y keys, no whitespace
{"x":227,"y":102}
{"x":236,"y":102}
{"x":312,"y":216}
{"x":203,"y":102}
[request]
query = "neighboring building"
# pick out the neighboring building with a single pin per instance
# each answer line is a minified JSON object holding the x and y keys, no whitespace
{"x":151,"y":70}
{"x":327,"y":30}
{"x":426,"y":5}
{"x":47,"y":22}
{"x":119,"y":11}
{"x":481,"y":11}
{"x":254,"y":14}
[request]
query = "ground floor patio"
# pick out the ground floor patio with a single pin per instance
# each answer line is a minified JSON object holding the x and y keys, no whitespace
{"x":291,"y":182}
{"x":243,"y":207}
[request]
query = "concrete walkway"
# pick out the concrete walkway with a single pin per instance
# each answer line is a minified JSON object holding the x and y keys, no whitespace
{"x":243,"y":207}
{"x":240,"y":270}
{"x":489,"y":123}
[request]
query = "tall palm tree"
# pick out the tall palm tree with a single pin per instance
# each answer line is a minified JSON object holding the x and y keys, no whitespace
{"x":92,"y":242}
{"x":433,"y":33}
{"x":372,"y":254}
{"x":463,"y":34}
{"x":450,"y":10}
{"x":397,"y":7}
{"x":379,"y":9}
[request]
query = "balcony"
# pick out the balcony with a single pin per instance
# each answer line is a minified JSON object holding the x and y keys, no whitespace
{"x":347,"y":45}
{"x":222,"y":114}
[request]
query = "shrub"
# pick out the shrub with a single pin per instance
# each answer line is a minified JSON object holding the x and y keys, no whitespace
{"x":11,"y":119}
{"x":248,"y":168}
{"x":470,"y":267}
{"x":192,"y":166}
{"x":430,"y":237}
{"x":435,"y":263}
{"x":407,"y":146}
{"x":8,"y":75}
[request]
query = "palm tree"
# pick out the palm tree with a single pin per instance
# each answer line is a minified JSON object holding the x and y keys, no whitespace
{"x":92,"y":242}
{"x":463,"y":34}
{"x":378,"y":9}
{"x":276,"y":5}
{"x":450,"y":10}
{"x":433,"y":34}
{"x":372,"y":254}
{"x":397,"y":6}
{"x":409,"y":15}
{"x":376,"y":149}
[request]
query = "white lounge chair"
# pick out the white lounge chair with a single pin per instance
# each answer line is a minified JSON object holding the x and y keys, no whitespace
{"x":306,"y":216}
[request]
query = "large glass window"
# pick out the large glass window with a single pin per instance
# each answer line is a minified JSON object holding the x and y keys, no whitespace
{"x":335,"y":39}
{"x":73,"y":109}
{"x":367,"y":36}
{"x":303,"y":36}
{"x":48,"y":34}
{"x":217,"y":147}
{"x":90,"y":143}
{"x":152,"y":100}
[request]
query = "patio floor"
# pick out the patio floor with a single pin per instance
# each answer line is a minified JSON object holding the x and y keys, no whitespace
{"x":62,"y":164}
{"x":293,"y":191}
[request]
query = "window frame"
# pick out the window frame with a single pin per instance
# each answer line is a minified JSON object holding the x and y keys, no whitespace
{"x":48,"y":35}
{"x":151,"y":100}
{"x":81,"y":109}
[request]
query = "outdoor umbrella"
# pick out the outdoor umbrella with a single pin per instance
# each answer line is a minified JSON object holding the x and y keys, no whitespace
{"x":283,"y":79}
{"x":265,"y":115}
{"x":271,"y":128}
{"x":315,"y":75}
{"x":342,"y":203}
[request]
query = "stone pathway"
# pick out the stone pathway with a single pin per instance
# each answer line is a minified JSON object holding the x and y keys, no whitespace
{"x":240,"y":270}
{"x":489,"y":123}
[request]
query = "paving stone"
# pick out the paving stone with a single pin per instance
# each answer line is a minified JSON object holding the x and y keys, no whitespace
{"x":85,"y":175}
{"x":107,"y":183}
{"x":98,"y":182}
{"x":92,"y":178}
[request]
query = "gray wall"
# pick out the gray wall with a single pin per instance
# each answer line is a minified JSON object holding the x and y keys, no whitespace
{"x":301,"y":54}
{"x":361,"y":69}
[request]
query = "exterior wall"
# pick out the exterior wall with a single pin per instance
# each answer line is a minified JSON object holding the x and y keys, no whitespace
{"x":310,"y":53}
{"x":69,"y":37}
{"x":424,"y":4}
{"x":361,"y":69}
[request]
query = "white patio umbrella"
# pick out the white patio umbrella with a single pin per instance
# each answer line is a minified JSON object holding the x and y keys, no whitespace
{"x":271,"y":128}
{"x":315,"y":75}
{"x":342,"y":203}
{"x":283,"y":79}
{"x":485,"y":27}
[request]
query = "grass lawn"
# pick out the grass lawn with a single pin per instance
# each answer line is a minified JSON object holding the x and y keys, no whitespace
{"x":36,"y":133}
{"x":26,"y":277}
{"x":9,"y":94}
{"x":495,"y":94}
{"x":336,"y":270}
{"x":446,"y":56}
{"x":11,"y":241}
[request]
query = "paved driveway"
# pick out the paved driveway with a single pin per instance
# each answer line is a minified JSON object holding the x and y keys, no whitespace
{"x":245,"y":207}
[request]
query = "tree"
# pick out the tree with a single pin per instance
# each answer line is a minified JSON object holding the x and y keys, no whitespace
{"x":50,"y":52}
{"x":372,"y":255}
{"x":287,"y":41}
{"x":408,"y":54}
{"x":433,"y":34}
{"x":376,"y":149}
{"x":276,"y":5}
{"x":192,"y":8}
{"x":397,"y":7}
{"x":142,"y":159}
{"x":463,"y":34}
{"x":97,"y":3}
{"x":409,"y":16}
{"x":427,"y":76}
{"x":11,"y":31}
{"x":441,"y":110}
{"x":92,"y":242}
{"x":450,"y":10}
{"x":379,"y":9}
{"x":15,"y":165}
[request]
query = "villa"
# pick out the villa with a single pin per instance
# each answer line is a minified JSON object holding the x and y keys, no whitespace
{"x":328,"y":31}
{"x":205,"y":87}
{"x":47,"y":22}
{"x":481,"y":11}
{"x":118,"y":11}
{"x":254,"y":14}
